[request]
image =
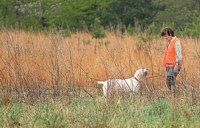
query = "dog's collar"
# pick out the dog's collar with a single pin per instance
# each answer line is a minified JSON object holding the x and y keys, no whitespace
{"x":136,"y":79}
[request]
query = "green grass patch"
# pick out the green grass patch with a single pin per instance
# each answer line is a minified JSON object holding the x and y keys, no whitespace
{"x":87,"y":112}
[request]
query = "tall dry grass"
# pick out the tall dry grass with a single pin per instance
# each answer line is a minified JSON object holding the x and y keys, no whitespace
{"x":39,"y":60}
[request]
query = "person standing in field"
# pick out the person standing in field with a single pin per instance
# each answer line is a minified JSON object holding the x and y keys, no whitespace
{"x":173,"y":58}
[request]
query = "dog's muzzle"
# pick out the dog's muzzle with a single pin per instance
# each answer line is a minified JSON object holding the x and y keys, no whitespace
{"x":145,"y":73}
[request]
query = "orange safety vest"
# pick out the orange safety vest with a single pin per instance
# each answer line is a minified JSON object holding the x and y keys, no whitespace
{"x":170,"y":55}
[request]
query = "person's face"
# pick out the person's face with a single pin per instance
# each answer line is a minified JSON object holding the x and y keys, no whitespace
{"x":168,"y":37}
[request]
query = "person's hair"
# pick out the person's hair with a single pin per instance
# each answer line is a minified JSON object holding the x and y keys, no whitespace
{"x":167,"y":31}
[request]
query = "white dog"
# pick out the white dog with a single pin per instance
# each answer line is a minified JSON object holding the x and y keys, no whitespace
{"x":124,"y":86}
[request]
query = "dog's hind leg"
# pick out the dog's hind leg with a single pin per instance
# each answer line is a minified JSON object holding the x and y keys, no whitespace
{"x":105,"y":90}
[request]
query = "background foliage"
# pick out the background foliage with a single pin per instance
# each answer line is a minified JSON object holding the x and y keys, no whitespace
{"x":76,"y":15}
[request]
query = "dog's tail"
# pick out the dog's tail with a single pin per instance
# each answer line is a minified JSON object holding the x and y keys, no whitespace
{"x":104,"y":87}
{"x":100,"y":82}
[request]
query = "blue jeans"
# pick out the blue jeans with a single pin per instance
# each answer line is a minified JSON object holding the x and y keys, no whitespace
{"x":171,"y":77}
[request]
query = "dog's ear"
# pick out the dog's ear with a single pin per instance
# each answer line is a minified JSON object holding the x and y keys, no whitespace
{"x":145,"y":73}
{"x":145,"y":69}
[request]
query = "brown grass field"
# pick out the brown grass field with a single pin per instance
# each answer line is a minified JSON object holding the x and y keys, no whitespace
{"x":79,"y":60}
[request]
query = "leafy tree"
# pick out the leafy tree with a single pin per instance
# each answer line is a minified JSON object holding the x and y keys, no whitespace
{"x":194,"y":30}
{"x":21,"y":14}
{"x":180,"y":12}
{"x":73,"y":13}
{"x":7,"y":12}
{"x":142,"y":10}
{"x":97,"y":32}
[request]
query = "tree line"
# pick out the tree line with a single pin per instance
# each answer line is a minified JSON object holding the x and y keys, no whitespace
{"x":75,"y":15}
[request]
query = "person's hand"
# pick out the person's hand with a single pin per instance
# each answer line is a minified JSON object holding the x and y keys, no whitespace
{"x":176,"y":68}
